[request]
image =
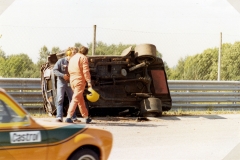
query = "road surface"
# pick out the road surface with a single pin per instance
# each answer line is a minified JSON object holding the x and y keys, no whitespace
{"x":204,"y":137}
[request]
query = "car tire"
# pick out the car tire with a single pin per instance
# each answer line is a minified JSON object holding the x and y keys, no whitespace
{"x":83,"y":154}
{"x":145,"y":52}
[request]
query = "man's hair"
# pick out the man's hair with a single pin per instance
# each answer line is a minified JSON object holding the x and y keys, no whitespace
{"x":75,"y":48}
{"x":83,"y":50}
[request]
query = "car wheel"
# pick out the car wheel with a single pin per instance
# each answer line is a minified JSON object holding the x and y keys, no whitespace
{"x":145,"y":52}
{"x":85,"y":154}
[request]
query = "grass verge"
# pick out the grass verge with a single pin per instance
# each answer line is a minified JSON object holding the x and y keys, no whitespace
{"x":180,"y":112}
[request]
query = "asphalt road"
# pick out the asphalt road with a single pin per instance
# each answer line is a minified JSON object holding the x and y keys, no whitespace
{"x":208,"y":137}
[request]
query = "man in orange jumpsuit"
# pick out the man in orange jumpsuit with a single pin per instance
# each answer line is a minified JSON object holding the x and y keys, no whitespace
{"x":78,"y":69}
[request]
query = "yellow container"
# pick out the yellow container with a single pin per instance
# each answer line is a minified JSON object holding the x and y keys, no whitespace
{"x":93,"y":96}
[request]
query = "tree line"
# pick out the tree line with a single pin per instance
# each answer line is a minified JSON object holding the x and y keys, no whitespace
{"x":201,"y":66}
{"x":204,"y":66}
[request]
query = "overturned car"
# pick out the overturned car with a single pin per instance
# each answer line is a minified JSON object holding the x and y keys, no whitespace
{"x":133,"y":83}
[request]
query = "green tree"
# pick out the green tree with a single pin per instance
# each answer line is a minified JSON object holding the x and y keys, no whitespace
{"x":43,"y":54}
{"x":2,"y":54}
{"x":55,"y":50}
{"x":225,"y":61}
{"x":204,"y":66}
{"x":42,"y":59}
{"x":177,"y":72}
{"x":167,"y":70}
{"x":2,"y":62}
{"x":230,"y":62}
{"x":191,"y":68}
{"x":19,"y":66}
{"x":105,"y":49}
{"x":207,"y":65}
{"x":33,"y":73}
{"x":78,"y":45}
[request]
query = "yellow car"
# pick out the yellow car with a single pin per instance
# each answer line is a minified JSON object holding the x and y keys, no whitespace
{"x":21,"y":137}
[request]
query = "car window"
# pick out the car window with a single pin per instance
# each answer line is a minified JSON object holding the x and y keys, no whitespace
{"x":11,"y":114}
{"x":7,"y":115}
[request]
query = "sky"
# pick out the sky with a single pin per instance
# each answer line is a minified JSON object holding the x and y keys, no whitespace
{"x":177,"y":28}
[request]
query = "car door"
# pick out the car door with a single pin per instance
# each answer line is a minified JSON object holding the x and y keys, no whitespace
{"x":20,"y":136}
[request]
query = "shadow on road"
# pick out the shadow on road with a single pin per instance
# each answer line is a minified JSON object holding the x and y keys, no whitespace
{"x":166,"y":117}
{"x":127,"y":124}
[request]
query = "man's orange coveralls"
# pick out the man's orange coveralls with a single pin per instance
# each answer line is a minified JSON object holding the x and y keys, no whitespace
{"x":78,"y":69}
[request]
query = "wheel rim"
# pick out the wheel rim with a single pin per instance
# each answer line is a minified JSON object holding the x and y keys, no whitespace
{"x":86,"y":157}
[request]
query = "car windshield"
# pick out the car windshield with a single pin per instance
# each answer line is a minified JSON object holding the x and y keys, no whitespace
{"x":7,"y":114}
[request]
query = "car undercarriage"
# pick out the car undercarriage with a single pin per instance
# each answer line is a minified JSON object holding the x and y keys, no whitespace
{"x":133,"y":83}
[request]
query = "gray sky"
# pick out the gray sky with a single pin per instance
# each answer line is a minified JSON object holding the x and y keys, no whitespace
{"x":177,"y":28}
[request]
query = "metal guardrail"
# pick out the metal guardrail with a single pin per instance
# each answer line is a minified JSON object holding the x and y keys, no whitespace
{"x":26,"y":91}
{"x":212,"y":95}
{"x":192,"y":95}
